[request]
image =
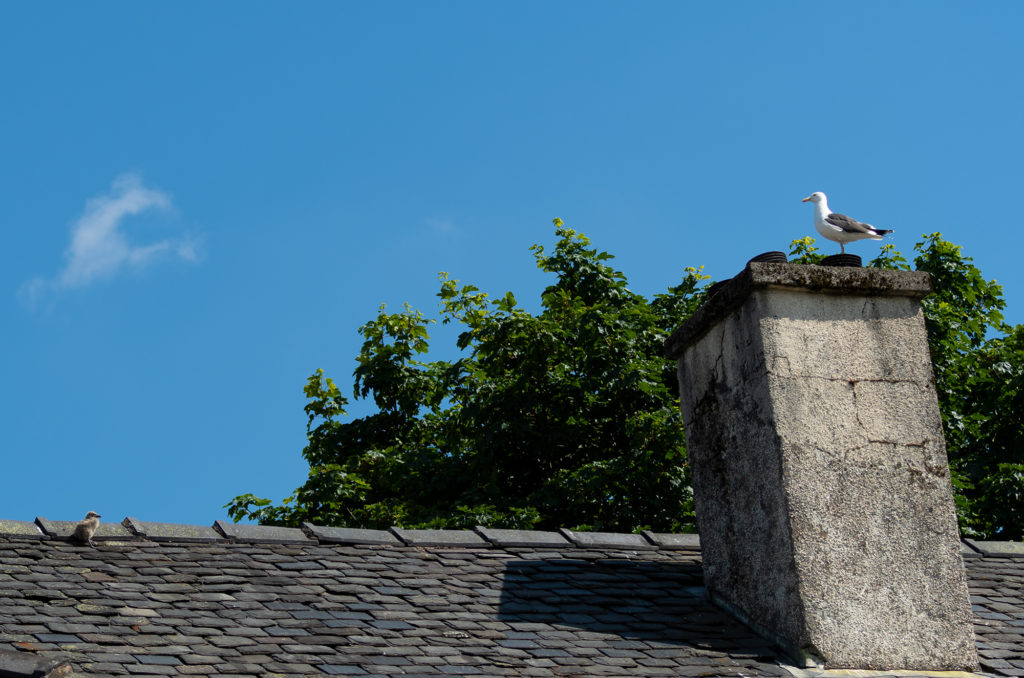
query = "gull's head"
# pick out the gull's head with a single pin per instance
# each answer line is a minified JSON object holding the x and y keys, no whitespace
{"x":92,"y":514}
{"x":815,"y":197}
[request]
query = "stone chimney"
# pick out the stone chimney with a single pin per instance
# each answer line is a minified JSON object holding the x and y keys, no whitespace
{"x":819,"y":468}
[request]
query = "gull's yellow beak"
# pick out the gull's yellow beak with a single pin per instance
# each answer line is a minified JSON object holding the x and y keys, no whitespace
{"x":807,"y":199}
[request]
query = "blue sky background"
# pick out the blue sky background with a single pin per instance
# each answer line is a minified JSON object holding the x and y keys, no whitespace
{"x":201,"y":202}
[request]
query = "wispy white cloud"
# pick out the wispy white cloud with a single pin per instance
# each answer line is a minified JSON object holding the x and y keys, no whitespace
{"x":99,"y":246}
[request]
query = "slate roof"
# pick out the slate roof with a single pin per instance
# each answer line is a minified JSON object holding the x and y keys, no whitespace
{"x":159,"y":599}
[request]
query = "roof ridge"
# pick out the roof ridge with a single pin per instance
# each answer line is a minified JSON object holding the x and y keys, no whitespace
{"x":133,"y":529}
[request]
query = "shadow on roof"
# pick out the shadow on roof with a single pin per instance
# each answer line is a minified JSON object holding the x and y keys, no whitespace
{"x":658,"y":603}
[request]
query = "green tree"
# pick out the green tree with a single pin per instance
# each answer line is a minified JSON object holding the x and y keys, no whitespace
{"x":979,"y":362}
{"x":569,"y":417}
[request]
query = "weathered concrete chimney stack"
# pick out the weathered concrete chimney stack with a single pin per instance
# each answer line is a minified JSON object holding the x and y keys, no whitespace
{"x":819,"y":467}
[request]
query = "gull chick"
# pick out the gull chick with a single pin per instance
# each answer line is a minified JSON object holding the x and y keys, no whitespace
{"x":839,"y":227}
{"x":87,"y":528}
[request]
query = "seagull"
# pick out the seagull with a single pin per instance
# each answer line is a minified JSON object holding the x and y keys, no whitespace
{"x":840,"y":227}
{"x":87,"y":528}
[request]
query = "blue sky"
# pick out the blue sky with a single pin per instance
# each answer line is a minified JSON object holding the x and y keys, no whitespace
{"x":201,"y":202}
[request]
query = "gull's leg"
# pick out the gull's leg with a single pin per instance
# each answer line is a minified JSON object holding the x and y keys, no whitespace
{"x":842,"y":248}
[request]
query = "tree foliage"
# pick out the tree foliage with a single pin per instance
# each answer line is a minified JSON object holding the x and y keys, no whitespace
{"x":569,"y":417}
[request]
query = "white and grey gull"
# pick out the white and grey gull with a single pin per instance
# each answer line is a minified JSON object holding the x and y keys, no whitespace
{"x":839,"y":227}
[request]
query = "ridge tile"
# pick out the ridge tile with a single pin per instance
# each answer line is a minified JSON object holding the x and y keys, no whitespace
{"x":522,"y":538}
{"x":351,"y":535}
{"x":20,"y":528}
{"x":966,"y":551}
{"x":172,"y":531}
{"x":685,"y":542}
{"x":608,"y":540}
{"x":998,"y":548}
{"x":262,"y":534}
{"x":453,"y":538}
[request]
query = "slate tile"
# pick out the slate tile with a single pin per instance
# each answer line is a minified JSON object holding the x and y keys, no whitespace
{"x":306,"y":649}
{"x":230,"y":641}
{"x":259,"y":648}
{"x":112,"y":656}
{"x":522,"y":644}
{"x":277,"y":667}
{"x":548,"y":652}
{"x":460,"y":670}
{"x":284,"y":631}
{"x":440,"y":651}
{"x":205,"y":659}
{"x":299,"y":565}
{"x":161,"y":659}
{"x":151,"y":670}
{"x":105,"y":668}
{"x":57,"y":638}
{"x":994,"y":663}
{"x":672,"y":652}
{"x":311,"y":614}
{"x":391,"y":624}
{"x":77,"y":629}
{"x":427,"y":659}
{"x":242,"y":668}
